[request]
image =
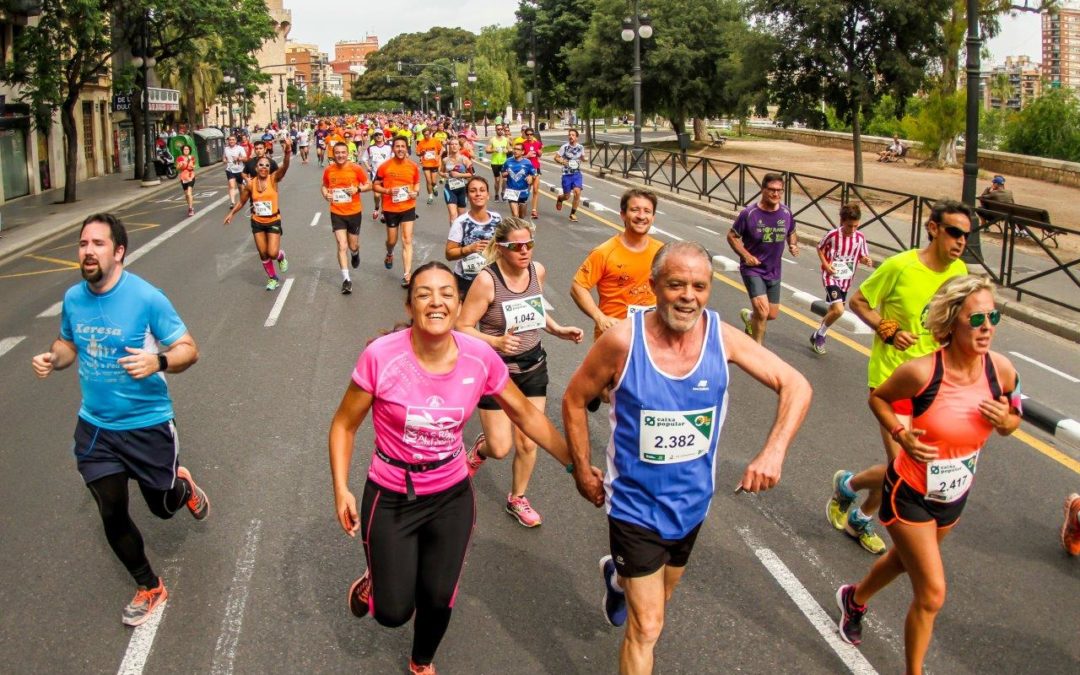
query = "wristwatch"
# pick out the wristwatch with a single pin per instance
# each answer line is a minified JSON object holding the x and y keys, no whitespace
{"x":162,"y":363}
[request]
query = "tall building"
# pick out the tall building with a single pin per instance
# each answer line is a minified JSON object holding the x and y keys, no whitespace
{"x":1025,"y":83}
{"x":1061,"y":48}
{"x":309,"y":68}
{"x":355,"y":52}
{"x":267,"y":102}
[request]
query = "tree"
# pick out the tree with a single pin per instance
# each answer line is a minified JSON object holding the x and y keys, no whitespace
{"x":69,"y":48}
{"x":555,"y":29}
{"x":1049,"y":126}
{"x":383,"y":80}
{"x":849,"y":54}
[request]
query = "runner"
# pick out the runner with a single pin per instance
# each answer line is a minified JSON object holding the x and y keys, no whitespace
{"x":250,"y":166}
{"x":342,"y":183}
{"x":303,"y":141}
{"x":377,"y":153}
{"x":262,"y":190}
{"x":320,"y":142}
{"x":398,"y":181}
{"x":185,"y":166}
{"x":757,"y":236}
{"x":667,"y":370}
{"x":417,"y":517}
{"x":125,"y":334}
{"x":235,"y":156}
{"x":429,"y":151}
{"x":510,"y":321}
{"x":533,"y":151}
{"x":470,"y":234}
{"x":960,"y":394}
{"x":840,"y":252}
{"x":518,"y":176}
{"x":456,"y":169}
{"x":497,"y":147}
{"x":891,"y":301}
{"x":570,"y":156}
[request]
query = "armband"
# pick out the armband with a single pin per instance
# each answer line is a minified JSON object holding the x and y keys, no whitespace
{"x":570,"y":468}
{"x":887,"y":330}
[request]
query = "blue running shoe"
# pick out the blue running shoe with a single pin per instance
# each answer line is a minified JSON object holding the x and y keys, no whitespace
{"x":614,"y":601}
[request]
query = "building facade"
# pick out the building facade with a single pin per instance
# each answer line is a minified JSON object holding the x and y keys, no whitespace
{"x":355,"y":52}
{"x":1061,"y":48}
{"x":266,"y":103}
{"x":1025,"y":83}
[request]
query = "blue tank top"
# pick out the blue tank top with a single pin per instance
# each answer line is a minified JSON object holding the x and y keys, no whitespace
{"x":661,"y":458}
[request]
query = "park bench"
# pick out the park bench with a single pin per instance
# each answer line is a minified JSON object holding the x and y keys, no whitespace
{"x":899,"y":157}
{"x":717,"y":140}
{"x":1042,"y":227}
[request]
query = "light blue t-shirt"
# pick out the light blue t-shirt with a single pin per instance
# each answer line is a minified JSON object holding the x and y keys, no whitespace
{"x":516,"y":172}
{"x":131,"y":314}
{"x":572,"y":153}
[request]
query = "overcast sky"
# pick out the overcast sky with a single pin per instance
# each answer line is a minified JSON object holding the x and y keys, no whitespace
{"x":325,"y":22}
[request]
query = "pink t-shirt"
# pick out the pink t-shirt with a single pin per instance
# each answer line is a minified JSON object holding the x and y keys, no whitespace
{"x":419,"y":416}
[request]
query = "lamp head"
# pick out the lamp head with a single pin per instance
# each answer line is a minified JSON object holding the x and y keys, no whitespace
{"x":627,"y":30}
{"x":645,"y":27}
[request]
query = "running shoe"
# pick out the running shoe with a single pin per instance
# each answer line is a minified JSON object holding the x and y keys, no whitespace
{"x":417,"y":669}
{"x":144,"y":603}
{"x":191,"y":212}
{"x":283,"y":264}
{"x":430,"y":198}
{"x":388,"y":261}
{"x":375,"y":215}
{"x":520,"y":508}
{"x":817,"y":343}
{"x":271,"y":284}
{"x":746,"y":315}
{"x":558,"y":203}
{"x":837,"y":508}
{"x":863,"y":531}
{"x":851,"y":615}
{"x":346,"y":287}
{"x":573,"y":217}
{"x":473,"y":459}
{"x":360,"y":595}
{"x":355,"y":259}
{"x":535,"y":215}
{"x":198,"y":503}
{"x":1070,"y":529}
{"x":404,"y":282}
{"x":614,"y":600}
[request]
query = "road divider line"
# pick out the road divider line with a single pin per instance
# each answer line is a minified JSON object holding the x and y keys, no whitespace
{"x":315,"y":220}
{"x":233,"y":621}
{"x":789,"y":260}
{"x":819,"y":619}
{"x":142,"y":638}
{"x":702,"y":227}
{"x":666,"y":233}
{"x":172,"y":231}
{"x":314,"y":287}
{"x":8,"y":343}
{"x":279,"y":304}
{"x":1045,"y":367}
{"x":53,"y":310}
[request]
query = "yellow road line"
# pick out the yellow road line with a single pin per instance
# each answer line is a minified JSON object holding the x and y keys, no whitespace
{"x":1022,"y":436}
{"x":30,"y":274}
{"x":66,"y":263}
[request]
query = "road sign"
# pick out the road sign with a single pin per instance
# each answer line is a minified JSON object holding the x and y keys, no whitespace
{"x":466,"y":103}
{"x":121,"y":102}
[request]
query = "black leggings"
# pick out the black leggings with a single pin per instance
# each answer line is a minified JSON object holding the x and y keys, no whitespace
{"x":415,"y":551}
{"x":111,"y":495}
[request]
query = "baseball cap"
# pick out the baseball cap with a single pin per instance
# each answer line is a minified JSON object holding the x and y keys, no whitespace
{"x":999,"y":180}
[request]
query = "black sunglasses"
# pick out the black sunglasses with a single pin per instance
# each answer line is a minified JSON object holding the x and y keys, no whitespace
{"x":956,"y":233}
{"x":979,"y":318}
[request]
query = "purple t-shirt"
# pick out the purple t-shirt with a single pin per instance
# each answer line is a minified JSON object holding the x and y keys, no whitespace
{"x":764,"y":234}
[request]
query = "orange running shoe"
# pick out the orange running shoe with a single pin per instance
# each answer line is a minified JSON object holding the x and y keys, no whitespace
{"x":197,"y":502}
{"x":1070,"y":529}
{"x":142,"y":606}
{"x":415,"y":669}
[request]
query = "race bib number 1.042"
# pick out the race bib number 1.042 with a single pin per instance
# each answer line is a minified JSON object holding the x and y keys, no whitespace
{"x":525,"y":313}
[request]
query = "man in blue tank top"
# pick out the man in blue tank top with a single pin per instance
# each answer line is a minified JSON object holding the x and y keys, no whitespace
{"x":125,"y":335}
{"x":668,"y":373}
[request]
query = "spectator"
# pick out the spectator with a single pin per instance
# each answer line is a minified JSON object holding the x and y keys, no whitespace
{"x":893,"y":151}
{"x":996,"y":192}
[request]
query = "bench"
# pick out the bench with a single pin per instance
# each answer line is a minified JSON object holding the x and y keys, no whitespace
{"x":898,"y":157}
{"x":1045,"y":231}
{"x":717,"y":139}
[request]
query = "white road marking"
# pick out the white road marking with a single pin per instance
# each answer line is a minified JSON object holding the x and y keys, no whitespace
{"x":789,"y":260}
{"x":707,"y":230}
{"x":142,"y":638}
{"x":172,"y":231}
{"x":315,"y":220}
{"x":8,"y":343}
{"x":725,"y":263}
{"x":615,"y":196}
{"x":313,"y":288}
{"x":232,"y":622}
{"x":53,"y":310}
{"x":279,"y":304}
{"x":819,"y":619}
{"x":666,"y":234}
{"x":548,"y":307}
{"x":1042,"y":365}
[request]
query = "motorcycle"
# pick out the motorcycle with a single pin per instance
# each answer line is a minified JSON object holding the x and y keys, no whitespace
{"x":165,"y":163}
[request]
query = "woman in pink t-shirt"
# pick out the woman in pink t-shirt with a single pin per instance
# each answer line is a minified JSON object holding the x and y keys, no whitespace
{"x":421,"y":385}
{"x":185,"y":164}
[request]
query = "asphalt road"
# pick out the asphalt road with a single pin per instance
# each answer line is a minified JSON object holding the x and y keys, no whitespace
{"x":260,"y":586}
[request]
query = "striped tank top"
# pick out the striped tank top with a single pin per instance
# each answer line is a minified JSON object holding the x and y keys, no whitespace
{"x":522,"y":309}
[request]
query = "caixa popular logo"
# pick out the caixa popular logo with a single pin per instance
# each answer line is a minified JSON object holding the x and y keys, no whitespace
{"x":650,"y":421}
{"x":935,"y":470}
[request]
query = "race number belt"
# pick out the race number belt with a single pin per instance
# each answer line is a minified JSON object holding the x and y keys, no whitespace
{"x":263,"y":209}
{"x":399,"y":195}
{"x":429,"y":155}
{"x":455,"y":183}
{"x":948,"y":480}
{"x":341,"y":196}
{"x":512,"y":195}
{"x":473,"y":263}
{"x":573,"y":165}
{"x":844,"y":268}
{"x":420,"y":467}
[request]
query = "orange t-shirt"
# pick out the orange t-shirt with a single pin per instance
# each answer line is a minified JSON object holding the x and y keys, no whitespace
{"x":264,"y":203}
{"x":621,"y":276}
{"x":429,"y":145}
{"x":398,"y":173}
{"x":348,"y":176}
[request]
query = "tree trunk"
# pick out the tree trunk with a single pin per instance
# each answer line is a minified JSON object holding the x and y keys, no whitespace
{"x":678,"y":123}
{"x":701,"y":132}
{"x":140,"y":135}
{"x":946,"y":155}
{"x":71,"y":146}
{"x":856,"y":143}
{"x":191,"y":110}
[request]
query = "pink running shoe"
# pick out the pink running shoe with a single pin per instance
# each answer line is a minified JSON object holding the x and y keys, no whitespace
{"x":520,"y":508}
{"x":473,"y":458}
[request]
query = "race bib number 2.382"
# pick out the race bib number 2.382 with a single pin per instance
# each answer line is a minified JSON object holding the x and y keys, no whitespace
{"x":672,"y":436}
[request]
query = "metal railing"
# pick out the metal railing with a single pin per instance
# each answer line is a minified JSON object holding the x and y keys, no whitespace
{"x":892,"y":220}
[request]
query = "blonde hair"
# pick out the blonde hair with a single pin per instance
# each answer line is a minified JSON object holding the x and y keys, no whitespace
{"x":502,"y":233}
{"x":945,"y":305}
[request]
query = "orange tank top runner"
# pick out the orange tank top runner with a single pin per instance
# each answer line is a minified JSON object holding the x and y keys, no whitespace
{"x":949,"y":413}
{"x":264,"y":202}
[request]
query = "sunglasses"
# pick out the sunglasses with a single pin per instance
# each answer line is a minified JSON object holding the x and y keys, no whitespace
{"x":977,"y":319}
{"x":956,"y":233}
{"x":517,"y":246}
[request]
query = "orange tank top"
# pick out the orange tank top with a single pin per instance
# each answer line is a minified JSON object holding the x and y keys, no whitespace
{"x":264,"y":204}
{"x":949,"y":413}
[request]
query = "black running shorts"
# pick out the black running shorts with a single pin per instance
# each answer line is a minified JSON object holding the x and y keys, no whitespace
{"x":638,"y":552}
{"x":903,"y":503}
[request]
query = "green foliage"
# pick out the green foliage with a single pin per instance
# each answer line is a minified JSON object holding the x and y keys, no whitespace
{"x":938,"y":121}
{"x":992,"y":125}
{"x":554,"y":28}
{"x":445,"y":46}
{"x":1048,"y":127}
{"x":882,"y":119}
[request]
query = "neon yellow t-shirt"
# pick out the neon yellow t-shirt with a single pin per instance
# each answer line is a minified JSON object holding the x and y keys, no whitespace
{"x":501,"y":145}
{"x":440,"y":136}
{"x":901,"y":289}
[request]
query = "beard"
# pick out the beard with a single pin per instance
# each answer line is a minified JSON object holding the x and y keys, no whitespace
{"x":93,"y":276}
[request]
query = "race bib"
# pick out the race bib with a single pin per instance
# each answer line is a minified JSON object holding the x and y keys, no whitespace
{"x":512,"y":195}
{"x":399,"y":195}
{"x":340,"y":196}
{"x":525,"y":314}
{"x":844,"y":267}
{"x":263,"y":209}
{"x":473,"y":263}
{"x":948,"y":480}
{"x":573,"y":165}
{"x":631,"y":310}
{"x":670,"y":437}
{"x":429,"y":155}
{"x":455,"y":183}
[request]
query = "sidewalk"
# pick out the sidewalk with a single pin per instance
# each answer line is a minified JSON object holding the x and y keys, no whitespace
{"x":27,"y":221}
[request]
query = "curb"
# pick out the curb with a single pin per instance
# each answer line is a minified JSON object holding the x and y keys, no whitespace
{"x":1052,"y":422}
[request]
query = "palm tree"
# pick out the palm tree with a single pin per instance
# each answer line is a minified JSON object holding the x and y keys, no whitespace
{"x":1001,"y":89}
{"x":195,"y":76}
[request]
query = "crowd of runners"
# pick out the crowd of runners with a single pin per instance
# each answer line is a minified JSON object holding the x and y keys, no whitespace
{"x":470,"y":340}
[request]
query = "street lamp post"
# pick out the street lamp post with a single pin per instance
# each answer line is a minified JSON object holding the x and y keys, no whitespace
{"x":456,"y":104}
{"x":472,"y":104}
{"x":534,"y":65}
{"x":635,"y":28}
{"x":144,"y":62}
{"x":438,"y":99}
{"x":229,"y":80}
{"x":284,"y":114}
